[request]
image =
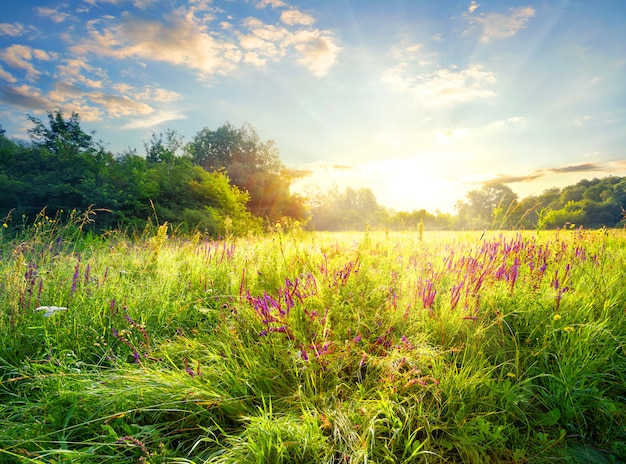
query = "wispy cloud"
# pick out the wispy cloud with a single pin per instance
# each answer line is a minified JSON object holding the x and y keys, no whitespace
{"x":495,"y":26}
{"x":272,"y":3}
{"x":155,"y":119}
{"x":13,"y":30}
{"x":7,"y":76}
{"x":444,"y":86}
{"x":21,"y":56}
{"x":513,"y":122}
{"x":582,"y":167}
{"x":52,"y":13}
{"x":76,"y":70}
{"x":538,"y":173}
{"x":512,"y":179}
{"x":295,"y":17}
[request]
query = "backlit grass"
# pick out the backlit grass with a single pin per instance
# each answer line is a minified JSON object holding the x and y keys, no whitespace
{"x":297,"y":347}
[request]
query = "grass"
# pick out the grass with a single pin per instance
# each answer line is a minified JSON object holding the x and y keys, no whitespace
{"x":298,"y":347}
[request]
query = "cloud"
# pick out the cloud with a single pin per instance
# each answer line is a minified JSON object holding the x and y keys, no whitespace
{"x":514,"y":122}
{"x":6,"y":76}
{"x":500,"y":26}
{"x":24,"y":96}
{"x":583,"y":167}
{"x":473,"y":6}
{"x":75,"y":70}
{"x":20,"y":56}
{"x":118,"y":106}
{"x":13,"y":30}
{"x":511,"y":179}
{"x":159,"y":95}
{"x":158,"y":117}
{"x":295,"y":17}
{"x":54,"y":14}
{"x":179,"y":40}
{"x":538,"y":173}
{"x":272,"y":3}
{"x":444,"y":86}
{"x":318,"y":52}
{"x":186,"y":37}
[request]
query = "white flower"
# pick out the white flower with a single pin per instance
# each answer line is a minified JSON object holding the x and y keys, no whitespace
{"x":50,"y":310}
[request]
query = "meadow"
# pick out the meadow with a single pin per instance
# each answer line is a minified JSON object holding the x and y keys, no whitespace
{"x":296,"y":347}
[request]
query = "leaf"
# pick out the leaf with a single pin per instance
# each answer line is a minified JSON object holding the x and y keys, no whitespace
{"x":549,"y":418}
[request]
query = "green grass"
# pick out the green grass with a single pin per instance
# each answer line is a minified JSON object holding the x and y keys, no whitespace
{"x":313,"y":348}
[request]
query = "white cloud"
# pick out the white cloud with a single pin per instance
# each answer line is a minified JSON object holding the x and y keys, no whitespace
{"x":55,"y":15}
{"x":501,"y":26}
{"x":12,"y":30}
{"x":295,"y":17}
{"x":473,"y":6}
{"x":444,"y":86}
{"x":177,"y":40}
{"x":155,"y":94}
{"x":272,"y":3}
{"x":118,"y":106}
{"x":158,"y":117}
{"x":182,"y":38}
{"x":20,"y":56}
{"x":514,"y":122}
{"x":76,"y":70}
{"x":318,"y":52}
{"x":6,"y":76}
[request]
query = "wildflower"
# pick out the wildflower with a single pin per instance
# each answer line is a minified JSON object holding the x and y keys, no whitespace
{"x":50,"y":310}
{"x":569,"y":329}
{"x":557,"y":317}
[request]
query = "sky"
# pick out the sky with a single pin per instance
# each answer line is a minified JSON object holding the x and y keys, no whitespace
{"x":419,"y":100}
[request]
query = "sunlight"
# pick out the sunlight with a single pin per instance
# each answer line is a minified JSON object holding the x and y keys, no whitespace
{"x":400,"y":184}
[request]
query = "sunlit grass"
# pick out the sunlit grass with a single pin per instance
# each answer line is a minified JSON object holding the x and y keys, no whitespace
{"x":297,"y":347}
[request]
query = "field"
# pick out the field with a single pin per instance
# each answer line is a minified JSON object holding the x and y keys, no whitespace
{"x":301,"y":347}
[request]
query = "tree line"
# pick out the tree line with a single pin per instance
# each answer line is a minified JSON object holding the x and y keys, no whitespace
{"x":229,"y":181}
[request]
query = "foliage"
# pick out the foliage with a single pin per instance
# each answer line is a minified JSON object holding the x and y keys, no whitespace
{"x":299,"y":347}
{"x":252,"y":165}
{"x":228,"y":179}
{"x":65,"y":170}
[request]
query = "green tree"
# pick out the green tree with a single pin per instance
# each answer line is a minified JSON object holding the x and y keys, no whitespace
{"x":68,"y":169}
{"x":163,"y":147}
{"x":489,"y":207}
{"x":351,"y":209}
{"x":252,"y":165}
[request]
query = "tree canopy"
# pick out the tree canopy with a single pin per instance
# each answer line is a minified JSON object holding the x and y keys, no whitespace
{"x":252,"y":165}
{"x":228,"y":179}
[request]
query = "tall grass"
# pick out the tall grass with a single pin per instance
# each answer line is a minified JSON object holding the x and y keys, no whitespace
{"x":297,"y":348}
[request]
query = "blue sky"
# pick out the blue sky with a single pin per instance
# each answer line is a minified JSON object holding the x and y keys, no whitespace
{"x":421,"y":101}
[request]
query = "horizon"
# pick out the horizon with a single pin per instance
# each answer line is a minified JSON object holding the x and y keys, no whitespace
{"x":419,"y":102}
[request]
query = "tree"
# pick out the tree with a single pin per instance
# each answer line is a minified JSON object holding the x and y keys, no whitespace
{"x":163,"y":147}
{"x":63,"y":137}
{"x":488,"y":207}
{"x":351,"y":209}
{"x":252,"y":165}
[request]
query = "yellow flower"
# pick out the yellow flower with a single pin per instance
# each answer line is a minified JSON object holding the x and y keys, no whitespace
{"x":557,"y":317}
{"x":511,"y":374}
{"x":5,"y":225}
{"x":569,"y":329}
